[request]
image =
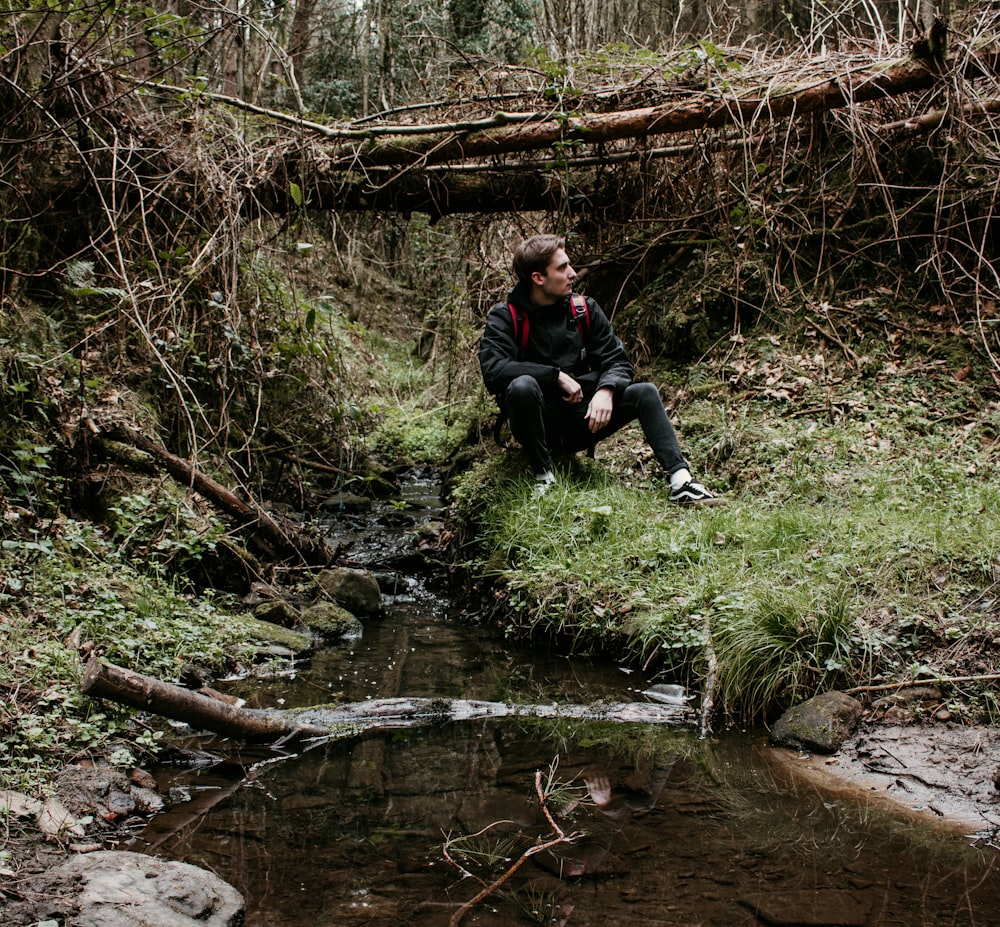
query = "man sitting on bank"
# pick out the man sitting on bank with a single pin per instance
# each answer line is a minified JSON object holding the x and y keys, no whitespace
{"x":562,"y":377}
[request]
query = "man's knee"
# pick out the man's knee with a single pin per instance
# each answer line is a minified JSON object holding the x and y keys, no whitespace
{"x":523,"y":392}
{"x":643,"y":395}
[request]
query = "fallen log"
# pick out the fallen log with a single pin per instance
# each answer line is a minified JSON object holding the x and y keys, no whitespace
{"x":505,"y":133}
{"x":343,"y":171}
{"x":105,"y":680}
{"x":278,"y":535}
{"x":408,"y":712}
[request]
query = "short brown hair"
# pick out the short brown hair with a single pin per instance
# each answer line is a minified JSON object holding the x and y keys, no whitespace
{"x":535,"y":253}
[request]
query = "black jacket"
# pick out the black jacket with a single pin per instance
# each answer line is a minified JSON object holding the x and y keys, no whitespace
{"x":554,"y":345}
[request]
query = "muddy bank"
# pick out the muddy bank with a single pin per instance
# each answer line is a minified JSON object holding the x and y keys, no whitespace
{"x":943,"y":773}
{"x":59,"y":865}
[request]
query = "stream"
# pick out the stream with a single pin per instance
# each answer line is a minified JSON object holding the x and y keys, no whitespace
{"x":640,"y":824}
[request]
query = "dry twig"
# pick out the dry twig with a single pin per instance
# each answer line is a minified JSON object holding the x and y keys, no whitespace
{"x":561,"y":837}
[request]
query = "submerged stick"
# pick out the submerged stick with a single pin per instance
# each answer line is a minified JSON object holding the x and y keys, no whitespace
{"x":708,"y":697}
{"x":560,"y":837}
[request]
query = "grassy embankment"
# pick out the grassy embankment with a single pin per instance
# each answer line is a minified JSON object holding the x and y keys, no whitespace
{"x":71,"y":594}
{"x":861,"y":540}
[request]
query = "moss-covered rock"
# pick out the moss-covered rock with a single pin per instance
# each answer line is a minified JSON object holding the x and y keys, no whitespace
{"x":278,"y":611}
{"x":330,"y":620}
{"x":355,"y":590}
{"x":266,"y":632}
{"x":345,"y":502}
{"x":820,"y":724}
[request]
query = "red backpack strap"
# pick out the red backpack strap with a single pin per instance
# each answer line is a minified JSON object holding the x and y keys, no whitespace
{"x":581,"y":314}
{"x":520,"y":334}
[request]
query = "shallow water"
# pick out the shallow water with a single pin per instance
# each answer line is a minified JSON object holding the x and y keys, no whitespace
{"x":646,"y":825}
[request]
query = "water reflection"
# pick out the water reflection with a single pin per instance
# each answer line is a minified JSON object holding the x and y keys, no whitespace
{"x":669,"y":830}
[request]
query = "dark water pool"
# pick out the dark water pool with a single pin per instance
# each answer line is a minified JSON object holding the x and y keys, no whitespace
{"x":583,"y":823}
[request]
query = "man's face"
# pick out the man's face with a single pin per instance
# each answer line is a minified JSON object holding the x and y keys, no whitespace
{"x":556,"y":282}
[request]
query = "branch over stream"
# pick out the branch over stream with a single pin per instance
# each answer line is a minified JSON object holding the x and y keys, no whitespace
{"x":107,"y":681}
{"x":276,"y":534}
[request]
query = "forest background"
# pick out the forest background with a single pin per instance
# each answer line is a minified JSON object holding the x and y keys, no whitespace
{"x":245,"y":255}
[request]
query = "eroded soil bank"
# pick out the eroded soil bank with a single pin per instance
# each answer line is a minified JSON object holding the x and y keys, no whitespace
{"x":944,"y":773}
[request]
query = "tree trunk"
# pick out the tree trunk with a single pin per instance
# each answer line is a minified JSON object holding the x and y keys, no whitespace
{"x":711,"y":112}
{"x":105,"y":680}
{"x":231,"y":57}
{"x":300,"y":35}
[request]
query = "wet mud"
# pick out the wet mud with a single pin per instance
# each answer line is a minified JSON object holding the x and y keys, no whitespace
{"x":942,"y":774}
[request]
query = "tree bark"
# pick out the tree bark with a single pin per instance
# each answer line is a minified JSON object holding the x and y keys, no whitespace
{"x":105,"y":680}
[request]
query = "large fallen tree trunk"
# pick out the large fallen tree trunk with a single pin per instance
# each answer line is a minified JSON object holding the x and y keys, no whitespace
{"x":385,"y":166}
{"x":107,"y":681}
{"x":278,"y":536}
{"x":435,"y":193}
{"x":347,"y":169}
{"x":705,"y":111}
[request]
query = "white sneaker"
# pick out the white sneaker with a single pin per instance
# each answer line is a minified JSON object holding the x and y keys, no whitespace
{"x":543,"y":481}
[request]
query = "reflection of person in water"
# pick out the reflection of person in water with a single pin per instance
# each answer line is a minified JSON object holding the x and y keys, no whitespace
{"x":615,"y":806}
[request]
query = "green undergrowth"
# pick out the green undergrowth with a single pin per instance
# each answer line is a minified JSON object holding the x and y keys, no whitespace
{"x":423,"y":409}
{"x":101,"y":556}
{"x":66,"y":594}
{"x":861,"y":538}
{"x":417,"y":434}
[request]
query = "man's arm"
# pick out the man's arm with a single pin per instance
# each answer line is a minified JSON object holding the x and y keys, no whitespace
{"x":498,"y":355}
{"x":571,"y":389}
{"x":606,"y":353}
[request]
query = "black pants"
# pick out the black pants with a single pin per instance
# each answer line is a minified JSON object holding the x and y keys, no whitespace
{"x":544,"y":424}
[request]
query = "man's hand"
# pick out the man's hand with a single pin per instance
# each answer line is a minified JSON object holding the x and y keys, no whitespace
{"x":571,"y":390}
{"x":599,"y":411}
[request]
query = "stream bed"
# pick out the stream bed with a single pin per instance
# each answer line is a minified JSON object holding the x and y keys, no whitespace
{"x":583,"y":823}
